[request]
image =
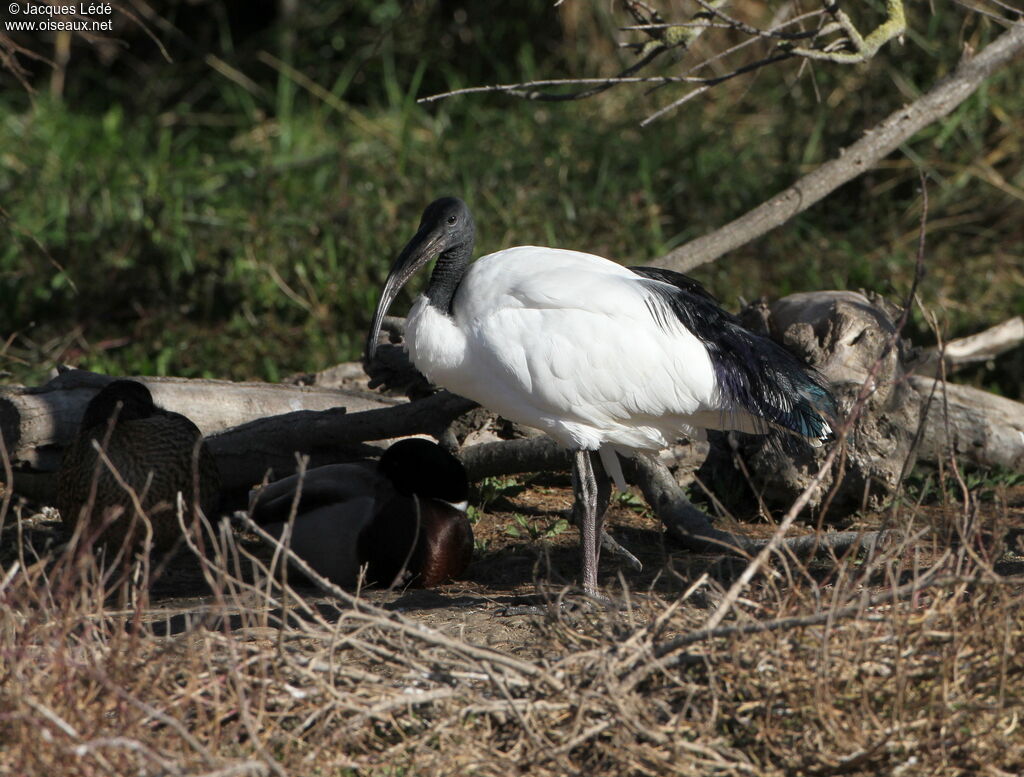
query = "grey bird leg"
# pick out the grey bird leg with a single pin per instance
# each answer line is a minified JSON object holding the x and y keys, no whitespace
{"x":585,"y":491}
{"x":608,"y":544}
{"x":604,"y":495}
{"x":592,"y":491}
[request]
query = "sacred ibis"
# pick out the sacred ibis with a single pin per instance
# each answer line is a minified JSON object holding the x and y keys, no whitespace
{"x":601,"y":357}
{"x":154,"y":452}
{"x":403,"y":514}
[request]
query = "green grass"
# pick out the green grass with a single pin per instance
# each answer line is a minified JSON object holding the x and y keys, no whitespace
{"x":631,"y":501}
{"x":491,"y":489}
{"x":523,"y":528}
{"x":929,"y":487}
{"x":233,"y":232}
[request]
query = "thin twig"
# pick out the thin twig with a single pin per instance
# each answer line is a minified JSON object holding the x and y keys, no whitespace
{"x":860,"y":157}
{"x":866,"y":389}
{"x":393,"y":620}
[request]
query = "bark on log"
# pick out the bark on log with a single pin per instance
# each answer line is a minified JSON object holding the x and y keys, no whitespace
{"x":691,"y":529}
{"x":245,"y":453}
{"x":984,"y":429}
{"x":38,"y":422}
{"x":842,"y":334}
{"x":686,"y":525}
{"x":540,"y":453}
{"x":980,"y":347}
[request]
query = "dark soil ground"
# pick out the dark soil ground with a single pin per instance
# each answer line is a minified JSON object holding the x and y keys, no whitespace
{"x":526,"y":556}
{"x":235,"y":674}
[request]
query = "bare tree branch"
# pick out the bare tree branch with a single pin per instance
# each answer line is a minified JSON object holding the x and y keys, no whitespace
{"x":838,"y":41}
{"x":864,"y":47}
{"x":686,"y":525}
{"x":853,"y":161}
{"x":979,"y":347}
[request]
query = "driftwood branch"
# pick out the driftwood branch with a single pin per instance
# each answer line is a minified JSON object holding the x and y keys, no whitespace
{"x":877,"y":143}
{"x":511,"y":457}
{"x":691,"y":529}
{"x":685,"y":524}
{"x":985,"y":429}
{"x":38,"y":422}
{"x":839,"y":332}
{"x":980,"y":347}
{"x":245,"y":453}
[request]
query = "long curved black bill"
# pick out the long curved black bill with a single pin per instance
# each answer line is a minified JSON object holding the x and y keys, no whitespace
{"x":424,"y":246}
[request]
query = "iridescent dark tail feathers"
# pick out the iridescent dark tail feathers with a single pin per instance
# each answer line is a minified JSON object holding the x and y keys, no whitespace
{"x":774,"y":391}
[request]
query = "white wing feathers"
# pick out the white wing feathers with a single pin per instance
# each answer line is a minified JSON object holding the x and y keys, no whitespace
{"x":567,"y":342}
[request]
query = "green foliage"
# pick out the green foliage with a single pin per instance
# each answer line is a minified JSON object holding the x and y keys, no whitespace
{"x":526,"y":528}
{"x":491,"y":489}
{"x":631,"y":501}
{"x":238,"y":222}
{"x":929,"y":487}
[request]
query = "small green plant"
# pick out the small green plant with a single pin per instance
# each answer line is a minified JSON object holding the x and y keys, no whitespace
{"x":925,"y":486}
{"x":631,"y":501}
{"x":490,"y":489}
{"x":525,"y":528}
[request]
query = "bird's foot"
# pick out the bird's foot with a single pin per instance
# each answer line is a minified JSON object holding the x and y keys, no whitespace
{"x":610,"y":545}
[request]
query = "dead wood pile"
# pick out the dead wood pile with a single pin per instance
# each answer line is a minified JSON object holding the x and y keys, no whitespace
{"x":908,"y":416}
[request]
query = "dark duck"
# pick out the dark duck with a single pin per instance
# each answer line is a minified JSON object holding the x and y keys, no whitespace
{"x":155,"y":453}
{"x":402,"y":518}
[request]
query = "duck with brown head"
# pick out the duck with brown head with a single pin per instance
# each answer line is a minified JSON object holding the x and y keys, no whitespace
{"x":403,"y":518}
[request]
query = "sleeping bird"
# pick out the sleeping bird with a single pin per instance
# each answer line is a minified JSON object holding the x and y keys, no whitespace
{"x":151,"y":453}
{"x":402,"y":518}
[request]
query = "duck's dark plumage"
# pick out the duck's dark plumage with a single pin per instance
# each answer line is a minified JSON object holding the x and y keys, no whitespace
{"x":402,"y":518}
{"x":156,"y":452}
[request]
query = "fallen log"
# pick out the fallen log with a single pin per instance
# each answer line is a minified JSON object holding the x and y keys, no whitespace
{"x":540,"y":453}
{"x":246,"y":453}
{"x":268,"y":447}
{"x":689,"y":528}
{"x":686,"y":525}
{"x":252,"y":432}
{"x":851,"y":339}
{"x":980,"y":347}
{"x":37,"y":422}
{"x":979,"y":427}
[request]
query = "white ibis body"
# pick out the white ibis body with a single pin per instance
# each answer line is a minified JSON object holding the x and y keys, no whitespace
{"x":602,"y":357}
{"x":402,"y":518}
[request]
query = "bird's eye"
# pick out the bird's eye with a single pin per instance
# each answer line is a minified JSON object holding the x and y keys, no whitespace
{"x":451,"y":219}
